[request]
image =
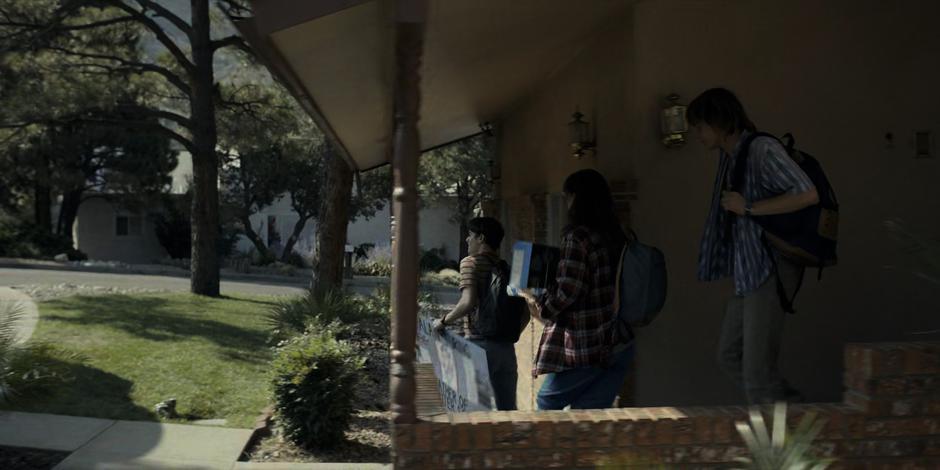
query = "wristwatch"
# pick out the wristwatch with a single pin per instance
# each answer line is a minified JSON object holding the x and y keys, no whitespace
{"x":747,"y":208}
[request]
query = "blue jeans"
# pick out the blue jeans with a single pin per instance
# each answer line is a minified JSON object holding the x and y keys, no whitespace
{"x":586,"y":387}
{"x":501,"y":362}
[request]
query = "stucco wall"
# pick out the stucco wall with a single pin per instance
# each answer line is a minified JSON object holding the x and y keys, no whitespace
{"x":95,"y":234}
{"x":839,"y":75}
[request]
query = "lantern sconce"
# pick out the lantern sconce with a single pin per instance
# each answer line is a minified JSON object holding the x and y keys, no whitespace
{"x":673,"y":122}
{"x":581,"y":136}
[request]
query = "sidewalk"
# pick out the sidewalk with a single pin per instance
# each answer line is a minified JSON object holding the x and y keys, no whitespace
{"x":109,"y":444}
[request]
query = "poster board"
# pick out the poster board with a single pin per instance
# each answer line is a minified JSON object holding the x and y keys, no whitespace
{"x":460,"y":366}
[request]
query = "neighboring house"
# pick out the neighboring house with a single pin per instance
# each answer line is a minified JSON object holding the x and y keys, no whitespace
{"x":106,"y":230}
{"x":436,"y":229}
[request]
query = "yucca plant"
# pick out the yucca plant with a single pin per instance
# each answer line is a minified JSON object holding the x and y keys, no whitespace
{"x":10,"y":314}
{"x":32,"y":369}
{"x":783,"y":449}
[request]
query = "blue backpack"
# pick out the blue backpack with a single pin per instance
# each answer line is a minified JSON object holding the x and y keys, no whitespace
{"x":641,"y":284}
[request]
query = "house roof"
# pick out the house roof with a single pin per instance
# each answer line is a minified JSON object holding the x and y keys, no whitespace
{"x":481,"y":57}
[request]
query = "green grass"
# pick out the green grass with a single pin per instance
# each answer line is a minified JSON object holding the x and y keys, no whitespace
{"x":209,"y":354}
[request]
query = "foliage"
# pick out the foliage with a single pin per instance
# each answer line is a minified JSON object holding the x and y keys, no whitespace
{"x":377,"y":262}
{"x":292,"y":316}
{"x":314,"y":382}
{"x":460,"y":172}
{"x":172,"y":227}
{"x":171,"y":74}
{"x":28,"y":370}
{"x":445,"y":277}
{"x":435,"y":260}
{"x":781,"y":450}
{"x":25,"y":240}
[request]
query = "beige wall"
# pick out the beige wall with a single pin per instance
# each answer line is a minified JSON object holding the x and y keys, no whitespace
{"x":95,"y":234}
{"x":839,"y":75}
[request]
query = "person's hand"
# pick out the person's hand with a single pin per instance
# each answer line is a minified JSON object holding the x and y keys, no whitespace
{"x":533,"y":304}
{"x":733,"y":202}
{"x":438,"y":326}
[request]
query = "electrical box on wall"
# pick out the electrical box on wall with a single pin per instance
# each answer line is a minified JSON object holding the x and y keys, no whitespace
{"x":923,"y":144}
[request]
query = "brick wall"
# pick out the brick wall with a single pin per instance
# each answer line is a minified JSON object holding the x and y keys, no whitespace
{"x":890,"y":419}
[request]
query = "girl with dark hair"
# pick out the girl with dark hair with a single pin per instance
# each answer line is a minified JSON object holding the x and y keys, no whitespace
{"x":582,"y":351}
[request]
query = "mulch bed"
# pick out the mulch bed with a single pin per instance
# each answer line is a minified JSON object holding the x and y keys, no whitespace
{"x":19,"y":458}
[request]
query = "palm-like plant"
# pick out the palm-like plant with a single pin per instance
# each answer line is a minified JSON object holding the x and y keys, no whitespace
{"x":10,"y":314}
{"x":781,"y":450}
{"x":32,"y":369}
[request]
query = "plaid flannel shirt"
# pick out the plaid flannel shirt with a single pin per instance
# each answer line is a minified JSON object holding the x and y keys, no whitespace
{"x":579,"y":309}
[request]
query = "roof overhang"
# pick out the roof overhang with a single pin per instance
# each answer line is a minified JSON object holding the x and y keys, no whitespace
{"x":481,"y":57}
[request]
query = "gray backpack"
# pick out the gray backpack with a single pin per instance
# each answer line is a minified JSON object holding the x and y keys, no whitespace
{"x":641,"y":284}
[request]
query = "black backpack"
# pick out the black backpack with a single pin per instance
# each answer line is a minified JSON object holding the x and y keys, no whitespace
{"x":808,"y":237}
{"x":499,"y":316}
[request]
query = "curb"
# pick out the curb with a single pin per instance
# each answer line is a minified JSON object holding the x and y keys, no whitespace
{"x":261,"y":430}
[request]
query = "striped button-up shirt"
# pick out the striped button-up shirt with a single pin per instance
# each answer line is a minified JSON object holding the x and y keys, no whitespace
{"x":770,"y":172}
{"x":579,"y":310}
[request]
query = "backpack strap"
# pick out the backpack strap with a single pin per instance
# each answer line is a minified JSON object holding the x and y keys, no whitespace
{"x":786,"y":302}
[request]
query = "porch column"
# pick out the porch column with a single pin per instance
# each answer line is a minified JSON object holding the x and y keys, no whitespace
{"x":409,"y":39}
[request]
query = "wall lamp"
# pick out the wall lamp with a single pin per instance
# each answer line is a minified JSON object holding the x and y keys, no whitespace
{"x":673,"y":122}
{"x":580,"y":135}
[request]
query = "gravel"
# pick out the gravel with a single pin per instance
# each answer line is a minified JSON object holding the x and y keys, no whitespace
{"x":42,"y":293}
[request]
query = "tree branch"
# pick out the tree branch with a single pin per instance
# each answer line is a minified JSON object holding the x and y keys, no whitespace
{"x":166,"y":14}
{"x":232,"y":41}
{"x":148,"y":22}
{"x":171,"y":77}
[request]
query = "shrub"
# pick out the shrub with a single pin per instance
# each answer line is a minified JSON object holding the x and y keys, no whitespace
{"x":294,"y":315}
{"x":433,"y":260}
{"x":295,"y":259}
{"x":446,"y":277}
{"x":377,"y":262}
{"x":314,"y":382}
{"x":24,"y":240}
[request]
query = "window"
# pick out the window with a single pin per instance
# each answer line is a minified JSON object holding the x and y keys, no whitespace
{"x":128,"y":226}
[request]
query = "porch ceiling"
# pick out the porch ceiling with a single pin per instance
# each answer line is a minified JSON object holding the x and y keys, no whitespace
{"x":480,"y":58}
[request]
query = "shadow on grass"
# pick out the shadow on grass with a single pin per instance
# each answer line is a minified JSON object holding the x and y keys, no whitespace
{"x":266,"y":303}
{"x":157,"y":319}
{"x":88,"y":392}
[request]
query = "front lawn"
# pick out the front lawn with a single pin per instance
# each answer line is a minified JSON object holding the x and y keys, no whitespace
{"x":209,"y":354}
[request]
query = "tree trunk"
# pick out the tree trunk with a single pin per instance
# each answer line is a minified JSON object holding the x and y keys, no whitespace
{"x":334,"y":219}
{"x":204,"y":268}
{"x":464,"y":232}
{"x":252,"y":235}
{"x":71,"y":201}
{"x":42,"y":196}
{"x":295,"y":235}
